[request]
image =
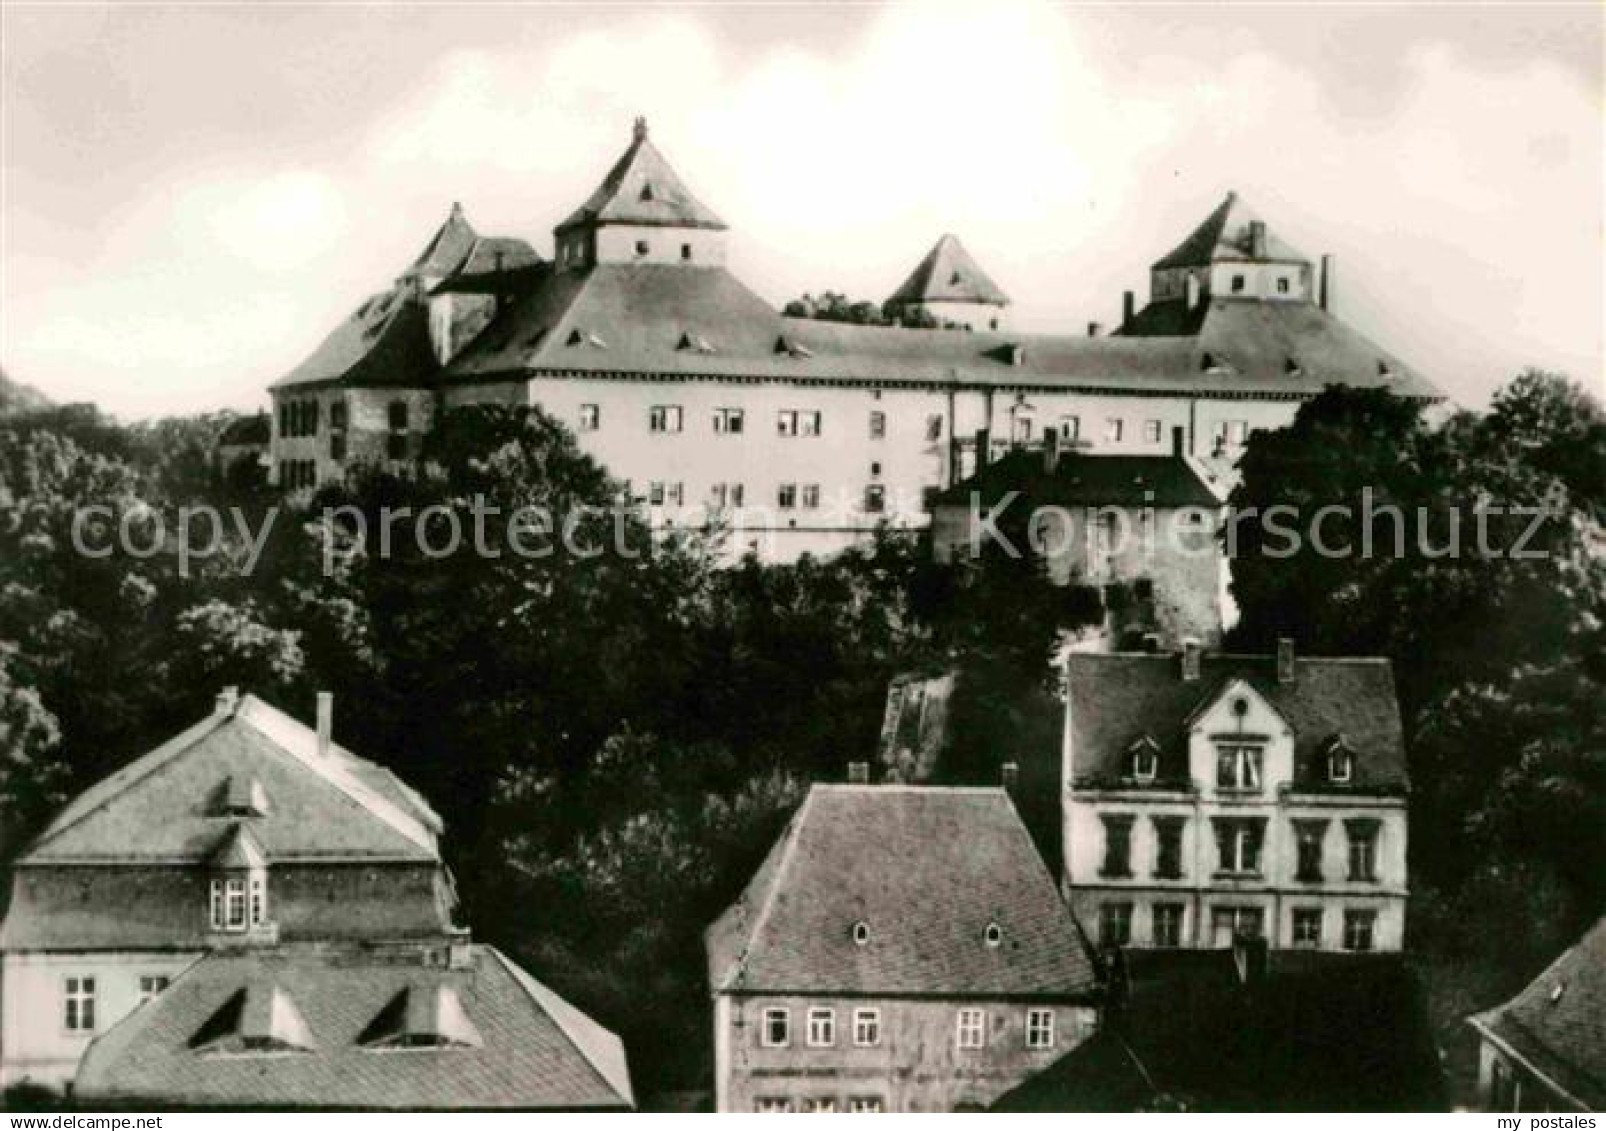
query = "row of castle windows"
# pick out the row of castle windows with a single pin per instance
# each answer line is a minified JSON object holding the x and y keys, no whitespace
{"x":788,"y":496}
{"x":1239,"y":841}
{"x":1238,"y":767}
{"x":1305,"y":925}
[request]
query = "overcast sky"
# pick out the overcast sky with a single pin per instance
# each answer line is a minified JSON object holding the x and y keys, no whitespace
{"x":194,"y":196}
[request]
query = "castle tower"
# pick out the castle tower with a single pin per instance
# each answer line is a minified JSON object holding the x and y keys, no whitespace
{"x":1232,"y":255}
{"x":641,"y":213}
{"x":950,"y":289}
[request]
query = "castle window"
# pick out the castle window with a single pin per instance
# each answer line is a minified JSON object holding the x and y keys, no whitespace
{"x":1238,"y":767}
{"x":1021,"y":429}
{"x":78,"y":1005}
{"x":970,"y":1029}
{"x":875,"y":498}
{"x":993,"y":936}
{"x":819,"y":1105}
{"x":229,"y":910}
{"x":861,"y":933}
{"x":1039,"y":1028}
{"x":1166,"y":925}
{"x":934,"y":427}
{"x":786,"y":422}
{"x":642,"y":247}
{"x":875,"y":467}
{"x":871,"y":1105}
{"x":729,"y":421}
{"x":772,"y":1105}
{"x":590,"y":417}
{"x":150,"y":985}
{"x":1070,"y":428}
{"x":1237,"y":284}
{"x":1360,"y":929}
{"x":809,"y":423}
{"x":776,"y":1032}
{"x":398,"y":416}
{"x":786,"y":496}
{"x":811,"y":496}
{"x":1151,"y":431}
{"x":1117,"y":846}
{"x":1307,"y":928}
{"x":866,"y":1028}
{"x":822,"y":1028}
{"x":878,"y":425}
{"x":1282,"y":284}
{"x":664,"y":418}
{"x":337,"y":414}
{"x":1362,"y":849}
{"x":1115,"y":924}
{"x":1230,"y":923}
{"x":1114,"y":428}
{"x":337,"y":446}
{"x":685,"y":252}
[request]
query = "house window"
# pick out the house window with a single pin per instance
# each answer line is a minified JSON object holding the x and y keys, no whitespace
{"x":1039,"y":1028}
{"x":1238,"y":841}
{"x":1166,"y":925}
{"x":811,"y":496}
{"x":1114,"y":427}
{"x":150,"y":985}
{"x":1151,"y":431}
{"x":727,"y":495}
{"x":786,"y":496}
{"x":1238,"y":767}
{"x":819,"y":1105}
{"x":822,"y":1028}
{"x":228,"y":904}
{"x":865,"y":1105}
{"x":1117,"y":846}
{"x":1359,"y":929}
{"x":643,"y":247}
{"x":809,"y":423}
{"x":1340,"y":765}
{"x":875,"y":498}
{"x":729,"y":421}
{"x":337,"y":446}
{"x":1362,"y":849}
{"x":776,"y":1033}
{"x":1070,"y":428}
{"x":1229,"y":923}
{"x":971,"y":1029}
{"x":1307,"y":931}
{"x":1022,"y":429}
{"x":78,"y":1004}
{"x":1282,"y":284}
{"x":866,"y":1028}
{"x":1308,"y":837}
{"x":337,"y":414}
{"x":664,"y":418}
{"x":772,"y":1105}
{"x":1504,"y":1095}
{"x":1143,"y":763}
{"x":878,"y":425}
{"x":685,"y":252}
{"x":396,"y":445}
{"x":786,"y":422}
{"x":1115,"y":924}
{"x":590,"y":417}
{"x":259,"y":900}
{"x":934,"y":427}
{"x":1237,"y":284}
{"x":1168,"y":847}
{"x":398,"y":416}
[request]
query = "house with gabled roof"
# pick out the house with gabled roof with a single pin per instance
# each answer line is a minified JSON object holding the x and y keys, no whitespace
{"x":1210,"y":797}
{"x":1545,"y":1049}
{"x":902,"y":948}
{"x":284,"y":882}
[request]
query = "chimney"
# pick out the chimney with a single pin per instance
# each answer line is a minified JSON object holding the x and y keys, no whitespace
{"x":1257,"y":239}
{"x":1192,"y":653}
{"x":858,"y":773}
{"x":1249,"y":957}
{"x":1193,"y":291}
{"x":326,"y":722}
{"x":1128,"y":307}
{"x":459,"y":950}
{"x":1325,"y":288}
{"x":1179,"y":441}
{"x":1051,"y":450}
{"x":227,"y":700}
{"x":1093,"y":329}
{"x":1009,"y":775}
{"x":983,"y":448}
{"x":1285,"y":659}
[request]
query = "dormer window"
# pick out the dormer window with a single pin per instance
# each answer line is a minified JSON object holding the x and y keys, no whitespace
{"x":1340,"y":762}
{"x":1143,"y":760}
{"x":257,"y":1019}
{"x":993,"y":936}
{"x":422,"y":1017}
{"x":240,"y":796}
{"x":646,"y":191}
{"x":1238,"y":767}
{"x":861,"y":933}
{"x":237,"y":892}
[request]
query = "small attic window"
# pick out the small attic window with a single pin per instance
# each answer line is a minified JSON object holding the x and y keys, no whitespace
{"x":643,"y":247}
{"x":690,"y":340}
{"x":256,"y":1019}
{"x":646,"y":191}
{"x":955,"y":279}
{"x":1340,"y":761}
{"x":1557,"y":991}
{"x":1143,"y":760}
{"x":861,"y":933}
{"x":791,"y":347}
{"x":1384,"y":369}
{"x":1240,"y":706}
{"x":993,"y":936}
{"x":241,"y":796}
{"x":1211,"y":363}
{"x":422,"y":1017}
{"x":1292,"y":367}
{"x":579,"y":337}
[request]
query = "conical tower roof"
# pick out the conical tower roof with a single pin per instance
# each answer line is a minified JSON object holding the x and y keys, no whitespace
{"x":948,"y":274}
{"x":1225,"y":235}
{"x":447,"y":248}
{"x":641,"y":188}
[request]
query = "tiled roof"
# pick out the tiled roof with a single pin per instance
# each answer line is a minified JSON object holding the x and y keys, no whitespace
{"x":627,"y":319}
{"x":495,"y":264}
{"x":1224,"y":235}
{"x":162,"y":806}
{"x":1319,"y":1032}
{"x":385,"y":343}
{"x":1085,"y":480}
{"x":447,"y":248}
{"x":1558,"y":1022}
{"x":641,"y":188}
{"x":254,"y":429}
{"x":533,"y":1050}
{"x":948,"y":274}
{"x":926,"y":870}
{"x":1117,"y":698}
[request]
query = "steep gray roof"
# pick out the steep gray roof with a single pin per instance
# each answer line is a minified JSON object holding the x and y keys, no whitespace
{"x":523,"y":1047}
{"x":641,"y":188}
{"x":385,"y":343}
{"x":1557,"y":1023}
{"x":633,"y":319}
{"x":926,"y":870}
{"x":948,"y":274}
{"x":1224,"y":236}
{"x":1117,"y":698}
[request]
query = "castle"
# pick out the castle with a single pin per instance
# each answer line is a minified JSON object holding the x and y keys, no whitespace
{"x":804,"y":434}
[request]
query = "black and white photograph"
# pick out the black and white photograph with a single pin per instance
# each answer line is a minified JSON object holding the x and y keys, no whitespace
{"x":777,"y":557}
